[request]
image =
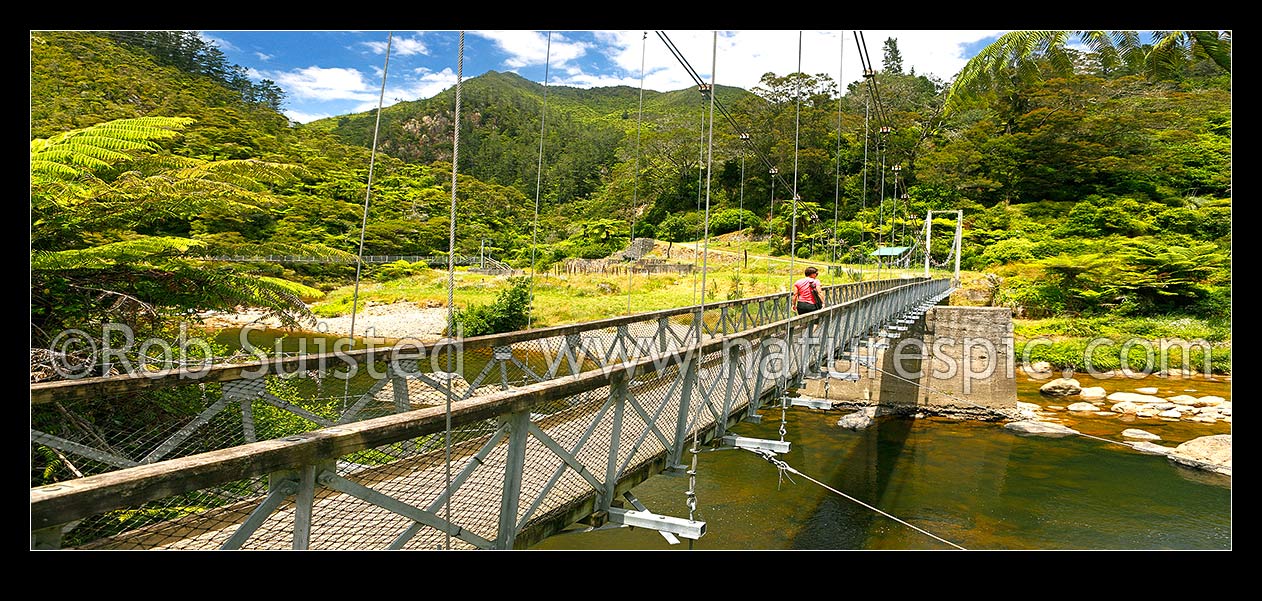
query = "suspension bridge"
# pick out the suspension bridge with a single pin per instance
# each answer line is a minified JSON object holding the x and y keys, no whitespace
{"x":547,"y":428}
{"x":493,"y":442}
{"x":483,"y":261}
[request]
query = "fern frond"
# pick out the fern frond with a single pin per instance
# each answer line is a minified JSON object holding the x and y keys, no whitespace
{"x":295,"y":249}
{"x":1006,"y":57}
{"x":226,"y":289}
{"x":103,"y":144}
{"x":133,"y":251}
{"x":1217,"y":47}
{"x":244,"y":173}
{"x":302,"y":291}
{"x":41,"y":166}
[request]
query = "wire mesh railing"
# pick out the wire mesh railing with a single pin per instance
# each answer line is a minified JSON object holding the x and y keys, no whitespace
{"x":547,"y":425}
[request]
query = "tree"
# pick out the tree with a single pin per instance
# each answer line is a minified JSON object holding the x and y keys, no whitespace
{"x":892,"y":61}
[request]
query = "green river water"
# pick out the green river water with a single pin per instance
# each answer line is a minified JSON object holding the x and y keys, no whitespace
{"x":975,"y":484}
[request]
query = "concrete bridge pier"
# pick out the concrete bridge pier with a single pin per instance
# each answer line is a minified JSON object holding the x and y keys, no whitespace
{"x":951,"y":361}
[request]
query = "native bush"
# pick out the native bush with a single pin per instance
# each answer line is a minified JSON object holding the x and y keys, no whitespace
{"x":509,"y":312}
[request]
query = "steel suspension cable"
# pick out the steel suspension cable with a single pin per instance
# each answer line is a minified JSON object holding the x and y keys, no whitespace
{"x":788,"y":327}
{"x":635,"y":189}
{"x":534,"y":234}
{"x":692,"y":473}
{"x":797,"y":127}
{"x":718,"y":104}
{"x":451,"y":281}
{"x":372,"y":160}
{"x":863,"y":232}
{"x":837,"y":190}
{"x":785,"y":467}
{"x":700,"y":174}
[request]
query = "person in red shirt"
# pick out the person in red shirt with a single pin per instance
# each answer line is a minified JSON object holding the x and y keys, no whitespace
{"x":806,"y":296}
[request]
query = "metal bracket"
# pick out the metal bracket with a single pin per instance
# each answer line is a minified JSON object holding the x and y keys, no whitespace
{"x":812,"y":403}
{"x":670,"y":538}
{"x":689,"y":529}
{"x":755,"y":444}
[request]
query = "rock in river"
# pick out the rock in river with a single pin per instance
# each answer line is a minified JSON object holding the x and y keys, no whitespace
{"x":1211,"y":453}
{"x":1138,"y":434}
{"x":1040,"y":428}
{"x":1061,"y":387}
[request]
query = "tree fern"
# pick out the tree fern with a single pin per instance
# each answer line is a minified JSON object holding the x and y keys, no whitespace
{"x":139,"y":250}
{"x":105,"y":182}
{"x":101,"y":146}
{"x":1012,"y":56}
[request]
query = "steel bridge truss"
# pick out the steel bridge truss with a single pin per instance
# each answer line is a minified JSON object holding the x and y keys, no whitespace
{"x":358,"y":450}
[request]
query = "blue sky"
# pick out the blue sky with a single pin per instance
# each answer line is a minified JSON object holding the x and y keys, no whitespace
{"x":328,"y":73}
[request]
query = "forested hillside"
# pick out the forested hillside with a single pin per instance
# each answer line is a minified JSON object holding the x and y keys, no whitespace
{"x":1106,"y":191}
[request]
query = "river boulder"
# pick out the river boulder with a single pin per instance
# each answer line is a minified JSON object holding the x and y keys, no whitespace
{"x":1184,"y":399}
{"x":1082,"y":407}
{"x":1209,"y":401}
{"x":1212,"y":453}
{"x":1040,"y":429}
{"x":1028,"y":410}
{"x":1093,"y":392}
{"x":1147,"y":390}
{"x":1150,"y":448}
{"x":859,"y":419}
{"x":1125,"y":407}
{"x":1061,"y":387}
{"x":1138,"y":434}
{"x":1134,"y":398}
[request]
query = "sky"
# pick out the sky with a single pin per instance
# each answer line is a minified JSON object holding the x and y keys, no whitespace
{"x":327,"y":73}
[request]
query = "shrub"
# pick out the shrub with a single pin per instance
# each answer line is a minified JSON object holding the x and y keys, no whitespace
{"x":731,"y":220}
{"x":508,"y":313}
{"x":1007,"y":251}
{"x":399,"y":269}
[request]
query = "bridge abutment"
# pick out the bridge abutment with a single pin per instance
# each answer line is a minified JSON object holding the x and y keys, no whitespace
{"x":954,"y":361}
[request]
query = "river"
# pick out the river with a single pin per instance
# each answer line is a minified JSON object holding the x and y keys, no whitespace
{"x":974,"y":484}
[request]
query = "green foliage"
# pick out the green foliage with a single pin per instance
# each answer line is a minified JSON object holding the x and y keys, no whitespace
{"x":1045,"y":168}
{"x":79,"y":196}
{"x":731,"y":220}
{"x":1136,"y":354}
{"x":1007,"y":251}
{"x":1160,"y":278}
{"x":398,"y":269}
{"x":508,"y":313}
{"x":681,"y":227}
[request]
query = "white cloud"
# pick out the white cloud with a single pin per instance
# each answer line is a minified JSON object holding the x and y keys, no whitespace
{"x":217,"y":42}
{"x":427,"y":85}
{"x":302,"y":117}
{"x":319,"y":83}
{"x":263,"y":57}
{"x":744,"y":56}
{"x":528,"y":48}
{"x":399,"y":47}
{"x":431,"y":83}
